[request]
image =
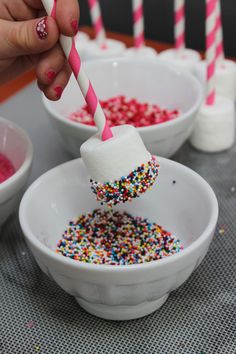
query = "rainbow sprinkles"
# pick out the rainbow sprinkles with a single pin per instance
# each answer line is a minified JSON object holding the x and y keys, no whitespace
{"x":132,"y":186}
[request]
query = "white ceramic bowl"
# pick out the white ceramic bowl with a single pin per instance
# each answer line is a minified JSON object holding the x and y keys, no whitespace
{"x":188,"y":208}
{"x":147,"y":80}
{"x":16,"y":145}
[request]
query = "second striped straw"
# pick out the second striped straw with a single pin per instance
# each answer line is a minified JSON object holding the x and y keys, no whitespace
{"x":96,"y":16}
{"x":210,"y":50}
{"x":179,"y":27}
{"x":138,"y":23}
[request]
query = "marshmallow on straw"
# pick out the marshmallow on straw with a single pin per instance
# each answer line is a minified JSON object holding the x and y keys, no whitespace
{"x":179,"y":25}
{"x":96,"y":16}
{"x":121,"y":168}
{"x":101,"y":47}
{"x":215,"y":125}
{"x":121,"y":156}
{"x":225,"y":75}
{"x":181,"y":57}
{"x":72,"y":55}
{"x":139,"y":48}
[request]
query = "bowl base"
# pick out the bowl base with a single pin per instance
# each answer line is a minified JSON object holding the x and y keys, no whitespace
{"x":122,"y":313}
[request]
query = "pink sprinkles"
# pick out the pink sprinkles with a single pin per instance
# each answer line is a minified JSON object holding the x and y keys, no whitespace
{"x":116,"y":238}
{"x":122,"y":110}
{"x":129,"y":187}
{"x":6,"y":168}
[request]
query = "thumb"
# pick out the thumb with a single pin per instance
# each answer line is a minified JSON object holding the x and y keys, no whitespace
{"x":27,"y":37}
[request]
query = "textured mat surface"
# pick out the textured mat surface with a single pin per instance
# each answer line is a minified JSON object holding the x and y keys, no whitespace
{"x":36,"y":316}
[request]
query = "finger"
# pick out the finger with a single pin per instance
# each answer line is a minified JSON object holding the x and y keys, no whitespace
{"x":67,"y":16}
{"x":55,"y":90}
{"x":35,"y":4}
{"x":49,"y":65}
{"x":20,"y":11}
{"x":27,"y":37}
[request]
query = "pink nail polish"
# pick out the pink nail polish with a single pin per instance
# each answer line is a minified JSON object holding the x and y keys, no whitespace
{"x":58,"y":90}
{"x":51,"y":75}
{"x":75,"y":26}
{"x":41,"y":28}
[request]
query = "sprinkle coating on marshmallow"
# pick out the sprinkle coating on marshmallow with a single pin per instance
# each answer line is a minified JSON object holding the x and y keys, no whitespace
{"x":128,"y":187}
{"x":116,"y":238}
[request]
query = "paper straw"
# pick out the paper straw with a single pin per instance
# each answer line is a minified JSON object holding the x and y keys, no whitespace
{"x":210,"y":50}
{"x":219,"y":34}
{"x":138,"y":23}
{"x":68,"y":46}
{"x":179,"y":24}
{"x":96,"y":16}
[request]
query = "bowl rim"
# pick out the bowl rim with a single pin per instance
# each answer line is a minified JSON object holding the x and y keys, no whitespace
{"x":28,"y":157}
{"x":52,"y":255}
{"x":92,"y":129}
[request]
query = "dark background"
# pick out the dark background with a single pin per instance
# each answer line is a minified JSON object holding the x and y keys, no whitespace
{"x":117,"y":15}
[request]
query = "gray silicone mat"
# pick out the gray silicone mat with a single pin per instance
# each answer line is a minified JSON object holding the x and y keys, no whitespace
{"x":36,"y":316}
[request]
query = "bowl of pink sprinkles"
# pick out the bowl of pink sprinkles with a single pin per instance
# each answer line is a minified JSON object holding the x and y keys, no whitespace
{"x":160,"y":101}
{"x":16,"y":154}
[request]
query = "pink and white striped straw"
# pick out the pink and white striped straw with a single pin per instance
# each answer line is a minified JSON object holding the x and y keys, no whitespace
{"x":68,"y":46}
{"x":138,"y":23}
{"x":210,"y":50}
{"x":96,"y":16}
{"x":179,"y":24}
{"x":219,"y":34}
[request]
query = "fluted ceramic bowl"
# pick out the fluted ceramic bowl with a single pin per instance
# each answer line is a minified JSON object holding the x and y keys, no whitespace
{"x":148,"y":80}
{"x":188,"y":208}
{"x":16,"y":146}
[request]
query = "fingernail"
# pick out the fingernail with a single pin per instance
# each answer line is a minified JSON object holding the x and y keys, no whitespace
{"x":58,"y":90}
{"x":51,"y":75}
{"x":75,"y":26}
{"x":41,"y":28}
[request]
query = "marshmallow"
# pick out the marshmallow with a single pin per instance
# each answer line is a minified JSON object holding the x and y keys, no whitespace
{"x":143,"y":52}
{"x":225,"y":77}
{"x":214,"y":130}
{"x":185,"y":59}
{"x":121,"y":168}
{"x":81,"y":41}
{"x":111,"y":159}
{"x":110,"y":49}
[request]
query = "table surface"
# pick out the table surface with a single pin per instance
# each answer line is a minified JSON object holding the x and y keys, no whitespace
{"x":36,"y":316}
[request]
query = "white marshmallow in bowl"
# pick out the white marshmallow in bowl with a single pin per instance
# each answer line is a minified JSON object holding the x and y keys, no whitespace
{"x":225,"y":77}
{"x":214,"y":130}
{"x":185,"y":59}
{"x":111,"y":48}
{"x":143,"y":52}
{"x":16,"y":146}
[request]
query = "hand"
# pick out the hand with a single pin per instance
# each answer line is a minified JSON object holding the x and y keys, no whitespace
{"x":29,"y":38}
